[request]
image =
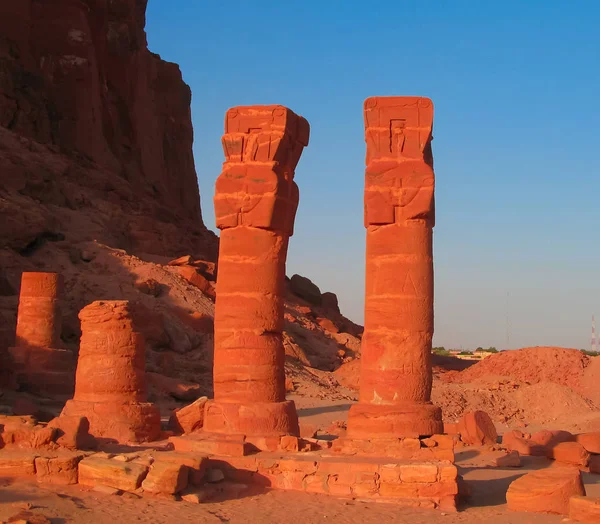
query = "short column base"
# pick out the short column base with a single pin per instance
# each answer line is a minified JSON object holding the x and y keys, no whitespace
{"x":120,"y":421}
{"x":44,"y":370}
{"x":418,"y":419}
{"x":253,"y":419}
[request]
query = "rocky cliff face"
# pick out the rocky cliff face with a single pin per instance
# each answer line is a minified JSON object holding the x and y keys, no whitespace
{"x":95,"y":131}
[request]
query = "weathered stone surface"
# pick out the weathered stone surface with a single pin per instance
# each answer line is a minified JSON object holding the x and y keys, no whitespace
{"x":594,"y":464}
{"x":255,"y":207}
{"x":210,"y":445}
{"x":17,"y":463}
{"x":396,"y":373}
{"x":189,"y":418}
{"x":476,"y":428}
{"x":545,"y":491}
{"x":584,"y":509}
{"x":110,"y":383}
{"x":127,"y":476}
{"x":166,"y":477}
{"x":590,"y":441}
{"x":59,"y":469}
{"x":569,"y":453}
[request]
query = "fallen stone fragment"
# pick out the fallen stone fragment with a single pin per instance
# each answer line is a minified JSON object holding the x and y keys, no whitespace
{"x":127,"y":476}
{"x":569,"y":453}
{"x":59,"y":469}
{"x":584,"y":509}
{"x":188,"y":418}
{"x":515,"y":441}
{"x":477,"y":428}
{"x":510,"y":460}
{"x":545,"y":491}
{"x":166,"y":477}
{"x":549,"y":439}
{"x":590,"y":441}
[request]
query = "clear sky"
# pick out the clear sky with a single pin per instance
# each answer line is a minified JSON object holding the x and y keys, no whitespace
{"x":516,"y":90}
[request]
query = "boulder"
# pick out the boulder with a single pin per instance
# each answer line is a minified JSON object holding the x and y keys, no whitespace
{"x":185,"y":260}
{"x":476,"y":428}
{"x":189,"y":418}
{"x":545,"y":491}
{"x":305,"y":289}
{"x":590,"y":441}
{"x":569,"y":453}
{"x":584,"y":509}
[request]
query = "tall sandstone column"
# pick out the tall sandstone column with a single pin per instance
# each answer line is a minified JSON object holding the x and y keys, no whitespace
{"x":255,"y":206}
{"x":396,"y":374}
{"x":41,"y":365}
{"x":110,"y":387}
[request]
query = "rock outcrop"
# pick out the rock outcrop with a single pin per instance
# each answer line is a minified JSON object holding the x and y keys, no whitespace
{"x":93,"y":126}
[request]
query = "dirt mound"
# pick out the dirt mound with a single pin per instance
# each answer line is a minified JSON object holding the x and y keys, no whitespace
{"x":536,"y":364}
{"x":512,"y":403}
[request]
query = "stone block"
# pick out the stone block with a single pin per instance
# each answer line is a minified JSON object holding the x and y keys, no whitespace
{"x":476,"y":428}
{"x":188,"y":418}
{"x":166,"y":477}
{"x":59,"y":469}
{"x":545,"y":491}
{"x":127,"y":476}
{"x":569,"y":453}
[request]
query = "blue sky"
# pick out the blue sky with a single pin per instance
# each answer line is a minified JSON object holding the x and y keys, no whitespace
{"x":517,"y":108}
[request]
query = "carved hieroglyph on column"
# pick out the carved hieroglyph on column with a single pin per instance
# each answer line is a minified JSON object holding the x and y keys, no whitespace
{"x":396,"y":374}
{"x":255,"y":206}
{"x":39,"y":362}
{"x":110,"y":388}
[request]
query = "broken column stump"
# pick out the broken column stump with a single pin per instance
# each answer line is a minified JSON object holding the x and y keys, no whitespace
{"x":110,"y":387}
{"x":39,"y":362}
